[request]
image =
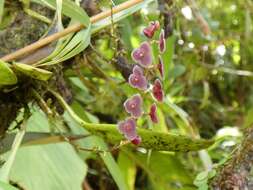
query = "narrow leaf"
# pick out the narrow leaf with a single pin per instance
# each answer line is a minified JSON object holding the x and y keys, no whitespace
{"x":38,"y":138}
{"x":119,"y":16}
{"x":33,"y":72}
{"x":128,"y":168}
{"x":1,"y":9}
{"x":150,"y":139}
{"x":70,"y":9}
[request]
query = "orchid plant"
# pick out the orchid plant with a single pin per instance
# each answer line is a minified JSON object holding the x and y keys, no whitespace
{"x":139,"y":79}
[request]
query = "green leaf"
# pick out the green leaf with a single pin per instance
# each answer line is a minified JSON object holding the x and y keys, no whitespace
{"x":33,"y":72}
{"x":7,"y":77}
{"x":177,"y":70}
{"x":94,"y":141}
{"x":119,"y":16}
{"x":128,"y":169}
{"x":38,"y":138}
{"x":49,"y":167}
{"x":6,"y":168}
{"x":163,"y":169}
{"x":54,"y":166}
{"x":5,"y":186}
{"x":168,"y":59}
{"x":77,"y":44}
{"x":1,"y":9}
{"x":150,"y":139}
{"x":70,"y":9}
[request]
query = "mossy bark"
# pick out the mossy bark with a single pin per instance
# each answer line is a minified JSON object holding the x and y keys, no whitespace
{"x":235,"y":173}
{"x":19,"y":31}
{"x":22,"y":29}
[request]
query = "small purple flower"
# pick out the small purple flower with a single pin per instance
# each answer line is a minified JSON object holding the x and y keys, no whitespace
{"x":142,"y":55}
{"x":133,"y":105}
{"x":137,"y":79}
{"x":160,"y":67}
{"x":162,"y":43}
{"x":149,"y":31}
{"x":157,"y":90}
{"x":136,"y":140}
{"x":153,"y":113}
{"x":128,"y":128}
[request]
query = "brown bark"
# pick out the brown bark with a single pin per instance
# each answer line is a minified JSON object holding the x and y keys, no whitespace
{"x":234,"y":174}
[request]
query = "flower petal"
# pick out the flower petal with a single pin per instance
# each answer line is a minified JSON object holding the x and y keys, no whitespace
{"x":137,"y":70}
{"x":153,"y":113}
{"x":162,"y":42}
{"x":142,"y":55}
{"x":149,"y":31}
{"x":136,"y":140}
{"x":157,"y":90}
{"x":137,"y":79}
{"x":160,"y":67}
{"x":137,"y":54}
{"x":133,"y":106}
{"x":128,"y":128}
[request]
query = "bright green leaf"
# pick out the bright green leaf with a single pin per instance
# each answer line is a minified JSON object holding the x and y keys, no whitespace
{"x":33,"y":72}
{"x":55,"y":166}
{"x":5,"y":186}
{"x":7,"y":77}
{"x":70,"y":9}
{"x":128,"y":169}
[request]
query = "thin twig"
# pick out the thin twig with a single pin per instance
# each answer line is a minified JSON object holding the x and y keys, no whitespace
{"x":70,"y":29}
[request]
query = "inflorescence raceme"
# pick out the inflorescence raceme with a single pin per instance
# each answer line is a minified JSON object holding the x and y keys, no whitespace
{"x":139,"y":79}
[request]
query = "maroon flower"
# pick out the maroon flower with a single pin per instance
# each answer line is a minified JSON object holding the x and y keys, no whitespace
{"x":162,"y":45}
{"x":128,"y":128}
{"x":137,"y":79}
{"x":150,"y":30}
{"x":153,"y":113}
{"x":142,"y":55}
{"x":133,"y":105}
{"x":136,"y":140}
{"x":160,"y":67}
{"x":157,"y":90}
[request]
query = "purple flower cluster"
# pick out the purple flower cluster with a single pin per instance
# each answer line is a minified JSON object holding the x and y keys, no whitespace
{"x":139,"y":79}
